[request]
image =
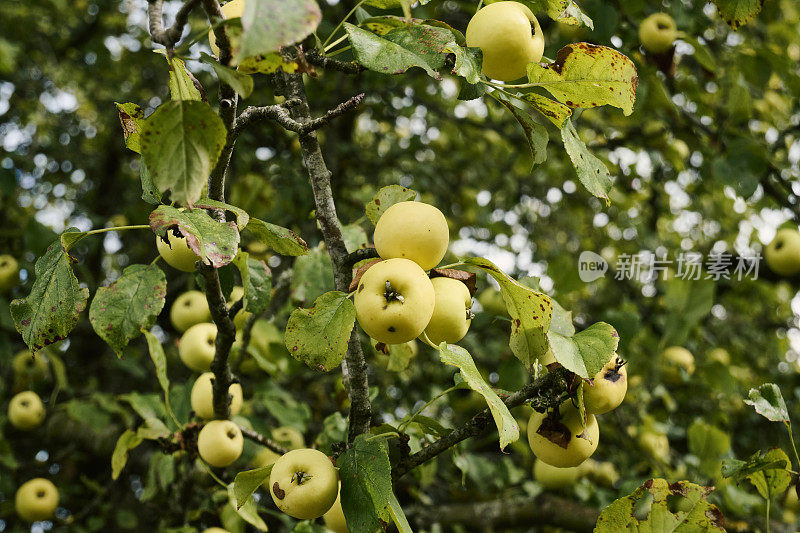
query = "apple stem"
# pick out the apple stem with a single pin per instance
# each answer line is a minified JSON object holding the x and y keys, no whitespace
{"x":391,"y":294}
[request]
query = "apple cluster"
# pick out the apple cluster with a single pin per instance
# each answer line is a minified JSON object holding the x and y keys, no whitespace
{"x":396,"y":300}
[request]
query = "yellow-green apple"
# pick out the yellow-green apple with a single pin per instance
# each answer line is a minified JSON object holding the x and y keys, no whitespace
{"x":452,"y":312}
{"x":657,"y":33}
{"x":559,"y":439}
{"x":176,"y":252}
{"x":304,"y":483}
{"x":9,"y":273}
{"x":202,"y":396}
{"x":196,"y":347}
{"x":412,"y":230}
{"x":608,"y":387}
{"x":553,"y":477}
{"x":783,"y":253}
{"x":26,"y":410}
{"x":220,"y":443}
{"x":188,"y":309}
{"x":36,"y":500}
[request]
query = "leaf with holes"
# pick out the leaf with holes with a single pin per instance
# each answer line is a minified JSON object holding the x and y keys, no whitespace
{"x":150,"y":192}
{"x":588,"y":75}
{"x":283,"y":241}
{"x":507,"y":426}
{"x":385,"y":198}
{"x":592,"y":173}
{"x":181,"y":142}
{"x":51,"y":310}
{"x":256,"y":281}
{"x":530,"y":313}
{"x":270,"y":24}
{"x":119,"y":311}
{"x":586,"y":352}
{"x":216,"y":243}
{"x":242,"y":218}
{"x":318,"y":336}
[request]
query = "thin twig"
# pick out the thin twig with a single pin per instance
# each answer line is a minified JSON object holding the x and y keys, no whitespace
{"x":280,"y":114}
{"x":255,"y":436}
{"x":319,"y":60}
{"x":172,"y":35}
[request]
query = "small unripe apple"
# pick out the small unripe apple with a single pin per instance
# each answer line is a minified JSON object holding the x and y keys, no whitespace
{"x":657,"y":33}
{"x":9,"y":273}
{"x":676,"y":362}
{"x":719,"y":355}
{"x":559,"y":439}
{"x":452,"y":312}
{"x":288,"y":437}
{"x":196,"y":347}
{"x":202,"y":396}
{"x":304,"y":483}
{"x":176,"y":252}
{"x":30,"y":368}
{"x":237,"y":293}
{"x":189,"y":308}
{"x":36,"y":500}
{"x":394,"y":301}
{"x":492,"y":302}
{"x":553,"y":477}
{"x":412,"y":230}
{"x":26,"y":410}
{"x":334,"y":518}
{"x":220,"y":443}
{"x":783,"y":253}
{"x":509,"y":36}
{"x":655,"y":444}
{"x":608,"y":387}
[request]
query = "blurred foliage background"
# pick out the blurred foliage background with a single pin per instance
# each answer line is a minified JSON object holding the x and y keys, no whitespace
{"x":707,"y":162}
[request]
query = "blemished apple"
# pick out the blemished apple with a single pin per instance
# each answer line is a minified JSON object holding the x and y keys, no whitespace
{"x":220,"y":443}
{"x":452,"y":311}
{"x":196,"y":347}
{"x":202,"y":397}
{"x":188,"y":309}
{"x":176,"y":252}
{"x":412,"y":230}
{"x":304,"y":483}
{"x":9,"y":272}
{"x":783,"y":253}
{"x":608,"y":387}
{"x":560,"y":440}
{"x":657,"y":33}
{"x":509,"y":36}
{"x":26,"y":410}
{"x":394,"y":301}
{"x":36,"y":500}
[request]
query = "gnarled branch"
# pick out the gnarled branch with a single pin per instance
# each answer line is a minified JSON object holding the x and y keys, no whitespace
{"x":280,"y":114}
{"x":255,"y":436}
{"x":168,"y":37}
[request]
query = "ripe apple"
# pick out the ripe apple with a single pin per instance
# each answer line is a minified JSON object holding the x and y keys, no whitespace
{"x":655,"y":444}
{"x":176,"y":252}
{"x":30,"y":369}
{"x":394,"y":301}
{"x":553,"y":477}
{"x":676,"y":362}
{"x":719,"y":355}
{"x":233,"y":9}
{"x":304,"y":483}
{"x":36,"y":500}
{"x":556,"y":438}
{"x":26,"y":410}
{"x":189,"y":308}
{"x":608,"y":387}
{"x":220,"y":443}
{"x":202,"y":396}
{"x":288,"y":437}
{"x":452,"y":311}
{"x":334,"y":518}
{"x":783,"y":253}
{"x":9,"y":273}
{"x":237,"y":293}
{"x":412,"y":230}
{"x":196,"y":347}
{"x":657,"y":33}
{"x":504,"y":34}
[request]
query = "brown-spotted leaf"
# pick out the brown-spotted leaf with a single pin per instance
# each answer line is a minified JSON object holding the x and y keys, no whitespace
{"x":216,"y":243}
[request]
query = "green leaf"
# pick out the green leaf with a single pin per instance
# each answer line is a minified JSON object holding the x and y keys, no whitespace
{"x":182,"y":83}
{"x":312,"y":275}
{"x":282,"y":241}
{"x":181,"y":142}
{"x":563,"y":11}
{"x":366,"y":477}
{"x":554,"y":112}
{"x":695,"y":512}
{"x":688,"y":302}
{"x":242,"y":218}
{"x":737,"y":13}
{"x":131,"y":117}
{"x":385,"y":198}
{"x":398,"y":516}
{"x":468,"y":63}
{"x":709,"y":444}
{"x":588,"y":75}
{"x":507,"y":426}
{"x":51,"y":310}
{"x":701,"y":53}
{"x":530,"y":313}
{"x":120,"y":311}
{"x":401,"y":49}
{"x":160,"y":361}
{"x":241,"y":83}
{"x":270,"y":24}
{"x":767,"y":401}
{"x":216,"y":243}
{"x":256,"y":281}
{"x":150,"y":192}
{"x":318,"y":336}
{"x":585,"y":353}
{"x":592,"y":173}
{"x":126,"y":442}
{"x":535,"y":133}
{"x":772,"y":482}
{"x":759,"y":461}
{"x":71,"y":237}
{"x":246,"y":483}
{"x":248,"y":510}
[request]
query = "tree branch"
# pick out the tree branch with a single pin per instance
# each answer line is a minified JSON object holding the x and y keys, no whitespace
{"x":279,"y":295}
{"x":354,"y":366}
{"x":360,"y":255}
{"x":280,"y":114}
{"x":549,"y":386}
{"x":314,"y":57}
{"x":255,"y":436}
{"x":172,"y":35}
